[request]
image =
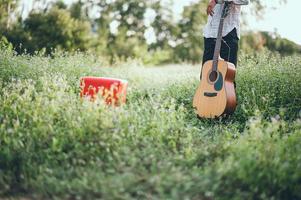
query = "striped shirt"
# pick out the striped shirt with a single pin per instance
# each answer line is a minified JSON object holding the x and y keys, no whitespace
{"x":231,"y":21}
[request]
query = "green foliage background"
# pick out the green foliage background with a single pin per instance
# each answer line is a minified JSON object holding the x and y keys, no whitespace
{"x":87,"y":26}
{"x":55,"y":145}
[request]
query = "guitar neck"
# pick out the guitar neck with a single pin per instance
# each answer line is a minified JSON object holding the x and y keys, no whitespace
{"x":219,"y":39}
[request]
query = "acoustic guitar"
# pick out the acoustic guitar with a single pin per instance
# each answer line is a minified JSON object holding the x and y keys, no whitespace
{"x":216,"y":95}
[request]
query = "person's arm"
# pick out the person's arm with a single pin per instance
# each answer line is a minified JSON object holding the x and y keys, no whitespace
{"x":237,"y":2}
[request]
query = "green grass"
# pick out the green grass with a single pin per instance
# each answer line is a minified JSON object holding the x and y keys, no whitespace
{"x":54,"y":145}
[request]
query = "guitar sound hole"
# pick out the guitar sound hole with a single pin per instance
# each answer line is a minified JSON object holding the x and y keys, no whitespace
{"x":213,"y":76}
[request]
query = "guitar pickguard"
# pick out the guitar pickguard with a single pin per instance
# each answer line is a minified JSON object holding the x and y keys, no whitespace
{"x":218,"y":86}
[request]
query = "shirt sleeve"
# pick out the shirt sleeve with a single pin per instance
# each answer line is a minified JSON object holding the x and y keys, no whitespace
{"x":238,"y":2}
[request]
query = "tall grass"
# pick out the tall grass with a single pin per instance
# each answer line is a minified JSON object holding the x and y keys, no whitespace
{"x":55,"y":145}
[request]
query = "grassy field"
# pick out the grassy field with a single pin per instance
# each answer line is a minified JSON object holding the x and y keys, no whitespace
{"x":54,"y":145}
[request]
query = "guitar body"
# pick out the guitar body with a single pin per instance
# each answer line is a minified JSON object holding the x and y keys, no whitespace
{"x":216,"y":97}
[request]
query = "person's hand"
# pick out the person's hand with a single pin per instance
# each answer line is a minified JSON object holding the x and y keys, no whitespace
{"x":210,"y":7}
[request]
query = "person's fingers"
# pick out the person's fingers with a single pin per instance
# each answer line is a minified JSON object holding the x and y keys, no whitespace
{"x":210,"y":10}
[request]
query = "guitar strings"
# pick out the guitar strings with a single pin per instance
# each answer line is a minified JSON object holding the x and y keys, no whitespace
{"x":229,"y":48}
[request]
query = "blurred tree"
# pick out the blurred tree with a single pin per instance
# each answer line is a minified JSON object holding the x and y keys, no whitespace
{"x":252,"y":41}
{"x":80,"y":10}
{"x":124,"y":47}
{"x":54,"y":29}
{"x":275,"y":43}
{"x":121,"y":27}
{"x":130,"y":16}
{"x":165,"y":28}
{"x":60,"y":4}
{"x":7,"y":9}
{"x":18,"y":37}
{"x":190,"y":40}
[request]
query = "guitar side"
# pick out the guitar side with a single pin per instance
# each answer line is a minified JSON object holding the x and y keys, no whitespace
{"x":213,"y":100}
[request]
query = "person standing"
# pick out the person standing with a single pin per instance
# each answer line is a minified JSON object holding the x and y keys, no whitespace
{"x":231,"y":30}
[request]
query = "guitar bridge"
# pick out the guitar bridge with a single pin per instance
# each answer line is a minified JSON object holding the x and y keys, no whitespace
{"x":210,"y":94}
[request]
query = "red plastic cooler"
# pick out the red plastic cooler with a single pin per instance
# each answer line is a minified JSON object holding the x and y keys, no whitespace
{"x":113,"y":90}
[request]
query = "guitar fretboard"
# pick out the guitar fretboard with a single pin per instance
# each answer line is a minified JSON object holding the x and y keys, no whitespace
{"x":224,"y":8}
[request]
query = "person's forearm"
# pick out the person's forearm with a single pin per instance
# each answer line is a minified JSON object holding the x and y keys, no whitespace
{"x":238,"y":2}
